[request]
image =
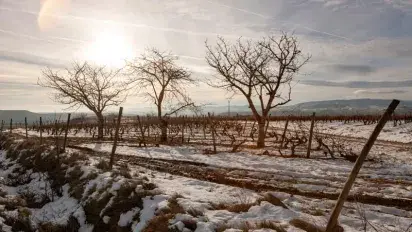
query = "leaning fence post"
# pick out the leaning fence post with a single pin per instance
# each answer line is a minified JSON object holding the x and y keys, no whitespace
{"x":116,"y":135}
{"x":310,"y":135}
{"x":66,"y":131}
{"x":333,"y":220}
{"x":40,"y":128}
{"x":11,"y":125}
{"x":284,"y":133}
{"x":25,"y":126}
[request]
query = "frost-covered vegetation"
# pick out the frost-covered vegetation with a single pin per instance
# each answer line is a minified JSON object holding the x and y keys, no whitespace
{"x":159,"y":189}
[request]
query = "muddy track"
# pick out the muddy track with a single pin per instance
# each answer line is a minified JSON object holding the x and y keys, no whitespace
{"x":225,"y":176}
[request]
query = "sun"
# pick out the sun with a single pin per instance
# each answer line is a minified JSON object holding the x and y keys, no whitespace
{"x":109,"y":49}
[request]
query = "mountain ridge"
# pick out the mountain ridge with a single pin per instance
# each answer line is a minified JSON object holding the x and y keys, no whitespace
{"x":325,"y":107}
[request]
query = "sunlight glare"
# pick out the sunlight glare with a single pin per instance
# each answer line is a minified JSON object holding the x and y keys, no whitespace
{"x":109,"y":49}
{"x":49,"y":11}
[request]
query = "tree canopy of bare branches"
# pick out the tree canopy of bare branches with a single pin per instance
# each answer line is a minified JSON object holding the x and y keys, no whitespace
{"x":163,"y":82}
{"x":262,"y":71}
{"x":84,"y":84}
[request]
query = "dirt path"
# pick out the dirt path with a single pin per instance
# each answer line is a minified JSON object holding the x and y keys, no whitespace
{"x":250,"y":179}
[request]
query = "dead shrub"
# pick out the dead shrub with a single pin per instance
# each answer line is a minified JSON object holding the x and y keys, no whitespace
{"x":160,"y":223}
{"x":124,"y":173}
{"x":17,"y":178}
{"x":71,"y":226}
{"x":2,"y":193}
{"x":19,"y":223}
{"x":73,"y":158}
{"x":33,"y":200}
{"x":248,"y":226}
{"x":93,"y":207}
{"x":103,"y":165}
{"x":149,"y":186}
{"x":12,"y":202}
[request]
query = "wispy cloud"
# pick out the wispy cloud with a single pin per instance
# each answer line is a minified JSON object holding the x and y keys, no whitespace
{"x":30,"y":59}
{"x":125,"y":24}
{"x":376,"y":92}
{"x":359,"y":84}
{"x":366,"y":45}
{"x":281,"y":21}
{"x":357,"y":69}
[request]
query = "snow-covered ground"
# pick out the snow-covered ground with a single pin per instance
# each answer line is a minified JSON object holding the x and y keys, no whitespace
{"x":387,"y":176}
{"x":399,"y":133}
{"x":324,"y":175}
{"x":198,"y":195}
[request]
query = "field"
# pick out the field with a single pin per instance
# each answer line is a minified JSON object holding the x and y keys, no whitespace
{"x":238,"y":188}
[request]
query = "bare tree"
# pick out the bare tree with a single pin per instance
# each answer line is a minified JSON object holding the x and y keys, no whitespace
{"x":162,"y":82}
{"x":94,"y":87}
{"x":262,"y":71}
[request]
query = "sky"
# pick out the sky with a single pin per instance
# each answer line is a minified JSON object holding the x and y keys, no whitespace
{"x":359,"y":48}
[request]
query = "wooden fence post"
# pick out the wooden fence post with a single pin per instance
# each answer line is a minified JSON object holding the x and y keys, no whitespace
{"x":141,"y":132}
{"x":183,"y":130}
{"x":116,"y":135}
{"x":25,"y":126}
{"x":212,"y":127}
{"x":56,"y":139}
{"x":40,"y":128}
{"x":310,"y":135}
{"x":284,"y":133}
{"x":66,"y":132}
{"x":333,"y":220}
{"x":11,"y":125}
{"x":1,"y":128}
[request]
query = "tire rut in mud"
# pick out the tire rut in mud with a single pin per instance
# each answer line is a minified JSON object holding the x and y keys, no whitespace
{"x":220,"y":175}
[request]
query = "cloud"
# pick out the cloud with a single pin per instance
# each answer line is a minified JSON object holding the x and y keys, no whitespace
{"x":359,"y":84}
{"x":358,"y":69}
{"x":31,"y":59}
{"x":372,"y":92}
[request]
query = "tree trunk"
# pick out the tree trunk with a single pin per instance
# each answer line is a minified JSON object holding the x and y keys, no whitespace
{"x":163,"y":128}
{"x":100,"y":125}
{"x":261,"y":133}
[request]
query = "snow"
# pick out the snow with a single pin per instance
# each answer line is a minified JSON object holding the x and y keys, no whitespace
{"x":201,"y":191}
{"x":126,"y":218}
{"x":150,"y":205}
{"x":106,"y":219}
{"x":323,"y":175}
{"x":56,"y":212}
{"x":257,"y":213}
{"x":266,"y":211}
{"x":401,"y":133}
{"x":389,"y":176}
{"x":86,"y":228}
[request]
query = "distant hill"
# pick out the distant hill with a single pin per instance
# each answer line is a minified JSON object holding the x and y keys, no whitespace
{"x":346,"y":107}
{"x":19,"y":115}
{"x":333,"y":107}
{"x":330,"y":107}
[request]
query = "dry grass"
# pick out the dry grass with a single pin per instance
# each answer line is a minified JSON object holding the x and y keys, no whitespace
{"x":160,"y":223}
{"x":235,"y":208}
{"x":306,"y":226}
{"x":248,"y":226}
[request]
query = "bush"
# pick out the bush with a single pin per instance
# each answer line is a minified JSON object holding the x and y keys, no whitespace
{"x":71,"y":226}
{"x":103,"y":165}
